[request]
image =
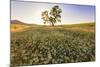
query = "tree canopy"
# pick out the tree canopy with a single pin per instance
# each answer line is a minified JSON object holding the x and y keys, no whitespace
{"x":53,"y":16}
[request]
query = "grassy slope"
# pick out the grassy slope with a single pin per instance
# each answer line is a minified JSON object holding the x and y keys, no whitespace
{"x":81,"y":27}
{"x":59,"y":44}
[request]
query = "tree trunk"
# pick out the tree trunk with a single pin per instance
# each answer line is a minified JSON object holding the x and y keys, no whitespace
{"x":52,"y":24}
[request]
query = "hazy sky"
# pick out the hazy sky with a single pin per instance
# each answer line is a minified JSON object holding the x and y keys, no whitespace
{"x":30,"y":12}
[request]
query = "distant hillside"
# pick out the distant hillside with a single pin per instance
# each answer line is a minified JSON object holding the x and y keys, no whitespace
{"x":19,"y":22}
{"x":90,"y":24}
{"x":16,"y":22}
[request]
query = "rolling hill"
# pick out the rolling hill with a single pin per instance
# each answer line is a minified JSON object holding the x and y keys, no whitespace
{"x":16,"y":22}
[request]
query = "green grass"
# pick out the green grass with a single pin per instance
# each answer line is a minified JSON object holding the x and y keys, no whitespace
{"x":52,"y":45}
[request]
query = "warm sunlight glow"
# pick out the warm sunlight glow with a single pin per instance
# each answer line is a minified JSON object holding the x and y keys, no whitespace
{"x":30,"y":12}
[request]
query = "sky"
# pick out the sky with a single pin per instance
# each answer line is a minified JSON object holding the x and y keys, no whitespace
{"x":30,"y":12}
